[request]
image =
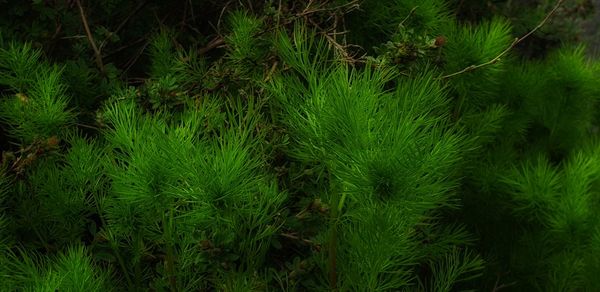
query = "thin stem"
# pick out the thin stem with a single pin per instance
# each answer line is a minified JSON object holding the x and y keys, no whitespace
{"x":115,"y":249}
{"x":351,"y":5}
{"x":41,"y":238}
{"x":295,"y":237}
{"x":408,"y":16}
{"x":121,"y":25}
{"x":138,"y":268}
{"x":214,"y":43}
{"x":169,"y":261}
{"x":335,"y":200}
{"x":113,"y":244}
{"x":333,"y":251}
{"x":90,"y":37}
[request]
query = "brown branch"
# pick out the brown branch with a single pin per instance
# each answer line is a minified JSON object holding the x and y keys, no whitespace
{"x":512,"y":45}
{"x":340,"y":48}
{"x":279,"y":13}
{"x":310,"y":2}
{"x":216,"y":42}
{"x":122,"y":24}
{"x":352,"y":5}
{"x":498,"y":286}
{"x":97,"y":53}
{"x":73,"y":37}
{"x":271,"y":71}
{"x":408,"y":16}
{"x":124,"y":47}
{"x":218,"y":28}
{"x":133,"y":60}
{"x":56,"y":31}
{"x":87,"y":126}
{"x":459,"y":7}
{"x":295,"y":237}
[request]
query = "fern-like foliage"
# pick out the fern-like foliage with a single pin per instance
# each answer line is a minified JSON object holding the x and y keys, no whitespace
{"x":561,"y":201}
{"x":183,"y":193}
{"x":383,"y":150}
{"x":38,"y":107}
{"x":381,"y":19}
{"x":474,"y":45}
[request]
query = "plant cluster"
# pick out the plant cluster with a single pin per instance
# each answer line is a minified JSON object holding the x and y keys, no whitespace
{"x":313,"y":145}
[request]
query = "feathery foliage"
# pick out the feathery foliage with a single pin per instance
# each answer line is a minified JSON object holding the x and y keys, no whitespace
{"x":308,"y":145}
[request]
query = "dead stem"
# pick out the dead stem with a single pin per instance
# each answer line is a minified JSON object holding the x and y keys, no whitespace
{"x":90,"y":37}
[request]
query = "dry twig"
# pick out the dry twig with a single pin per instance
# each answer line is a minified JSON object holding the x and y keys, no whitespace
{"x":512,"y":45}
{"x":340,"y":48}
{"x":350,"y":5}
{"x":214,"y":43}
{"x":303,"y":240}
{"x":90,"y":37}
{"x":121,"y":25}
{"x":498,"y":286}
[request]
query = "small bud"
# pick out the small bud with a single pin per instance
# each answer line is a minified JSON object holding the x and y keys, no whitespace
{"x":52,"y":141}
{"x":440,"y":41}
{"x":318,"y":205}
{"x":206,"y":244}
{"x":22,"y":97}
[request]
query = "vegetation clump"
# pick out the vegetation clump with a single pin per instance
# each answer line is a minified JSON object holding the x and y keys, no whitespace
{"x":314,"y":145}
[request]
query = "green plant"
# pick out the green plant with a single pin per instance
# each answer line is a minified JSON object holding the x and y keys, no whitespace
{"x":249,"y":146}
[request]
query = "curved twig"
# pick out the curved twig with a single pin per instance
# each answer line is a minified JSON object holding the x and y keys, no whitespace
{"x":512,"y":45}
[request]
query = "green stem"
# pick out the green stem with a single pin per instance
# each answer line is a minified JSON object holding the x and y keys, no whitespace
{"x":138,"y":267}
{"x":334,"y":206}
{"x":41,"y":238}
{"x":333,"y":253}
{"x":122,"y":264}
{"x":458,"y":108}
{"x":169,"y":261}
{"x":113,"y":245}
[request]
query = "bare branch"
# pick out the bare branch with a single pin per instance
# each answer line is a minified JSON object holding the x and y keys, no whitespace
{"x":214,"y":43}
{"x":90,"y":37}
{"x":122,"y":24}
{"x":512,"y":45}
{"x":350,"y":5}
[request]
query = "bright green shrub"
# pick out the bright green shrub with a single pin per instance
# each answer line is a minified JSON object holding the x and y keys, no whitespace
{"x":249,"y":147}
